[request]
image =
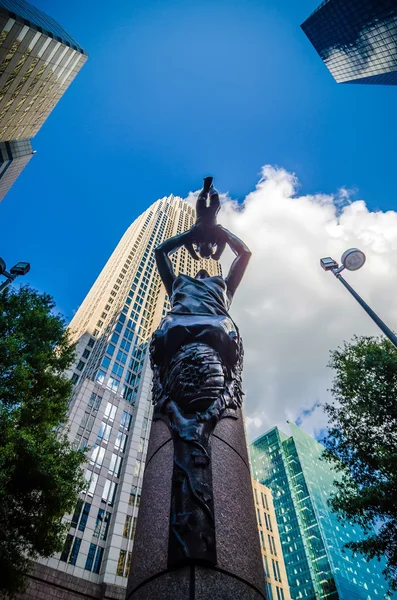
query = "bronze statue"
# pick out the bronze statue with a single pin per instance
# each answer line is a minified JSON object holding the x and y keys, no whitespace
{"x":196,"y":356}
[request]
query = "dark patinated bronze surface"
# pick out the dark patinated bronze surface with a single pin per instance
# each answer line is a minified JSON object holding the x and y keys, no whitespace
{"x":196,"y":357}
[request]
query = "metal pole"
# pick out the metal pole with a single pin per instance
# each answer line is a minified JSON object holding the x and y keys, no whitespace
{"x":388,"y":332}
{"x":5,"y":283}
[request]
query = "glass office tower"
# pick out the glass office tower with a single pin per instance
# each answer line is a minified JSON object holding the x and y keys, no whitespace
{"x":311,"y":536}
{"x":356,"y":39}
{"x":110,"y":412}
{"x":38,"y":62}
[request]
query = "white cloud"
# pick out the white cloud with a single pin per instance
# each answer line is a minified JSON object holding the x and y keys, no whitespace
{"x":289,"y":311}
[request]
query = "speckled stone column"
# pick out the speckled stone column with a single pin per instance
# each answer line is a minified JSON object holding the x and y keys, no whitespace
{"x":238,"y":573}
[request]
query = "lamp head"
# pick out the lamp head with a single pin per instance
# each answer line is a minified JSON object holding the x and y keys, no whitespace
{"x":20,"y":268}
{"x":328,"y":263}
{"x":353,"y":259}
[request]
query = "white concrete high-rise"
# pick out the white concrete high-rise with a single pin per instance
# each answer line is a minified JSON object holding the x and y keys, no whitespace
{"x":39,"y":59}
{"x":110,"y":412}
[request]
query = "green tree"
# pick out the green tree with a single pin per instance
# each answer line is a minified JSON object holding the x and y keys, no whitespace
{"x":40,"y":472}
{"x":362,"y":445}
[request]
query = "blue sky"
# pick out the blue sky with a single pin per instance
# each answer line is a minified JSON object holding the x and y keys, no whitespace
{"x":172,"y":91}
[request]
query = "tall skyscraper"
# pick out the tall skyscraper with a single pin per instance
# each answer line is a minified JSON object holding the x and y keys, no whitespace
{"x":276,"y":581}
{"x":111,"y":410}
{"x":356,"y":39}
{"x":311,"y":536}
{"x":38,"y":61}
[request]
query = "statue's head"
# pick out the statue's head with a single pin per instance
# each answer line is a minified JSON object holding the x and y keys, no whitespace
{"x":202,"y":274}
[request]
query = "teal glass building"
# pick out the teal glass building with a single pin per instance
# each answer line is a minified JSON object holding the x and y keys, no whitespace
{"x":311,"y":536}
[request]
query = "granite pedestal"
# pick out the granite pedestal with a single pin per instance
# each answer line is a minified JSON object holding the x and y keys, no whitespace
{"x":239,"y":572}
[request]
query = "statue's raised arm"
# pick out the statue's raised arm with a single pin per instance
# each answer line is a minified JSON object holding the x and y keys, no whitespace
{"x":243,"y":255}
{"x":163,"y":261}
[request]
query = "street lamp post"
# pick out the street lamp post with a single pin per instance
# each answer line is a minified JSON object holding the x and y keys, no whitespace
{"x":20,"y":268}
{"x":352,"y":260}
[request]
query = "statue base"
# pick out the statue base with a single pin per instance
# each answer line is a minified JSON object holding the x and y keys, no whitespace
{"x":238,"y":572}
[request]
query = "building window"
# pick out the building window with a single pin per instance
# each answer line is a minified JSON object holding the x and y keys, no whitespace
{"x":102,"y":524}
{"x":84,"y":516}
{"x":125,"y":420}
{"x":269,"y":591}
{"x":91,"y":479}
{"x":97,"y":455}
{"x":276,"y":570}
{"x":76,"y":514}
{"x":280,"y":593}
{"x":74,"y":550}
{"x":115,"y":465}
{"x":127,"y":526}
{"x":94,"y":401}
{"x":110,"y":349}
{"x":137,"y":468}
{"x":133,"y":492}
{"x":262,"y":538}
{"x":266,"y":566}
{"x":121,"y":563}
{"x":98,"y":561}
{"x":112,"y":384}
{"x":120,"y":441}
{"x":133,"y":528}
{"x":90,"y":557}
{"x":105,"y":528}
{"x":66,"y":548}
{"x":110,"y":412}
{"x":75,"y":378}
{"x":91,"y":342}
{"x":105,"y":362}
{"x":259,"y":517}
{"x":104,"y":432}
{"x":109,"y":492}
{"x":127,"y":393}
{"x":272,"y":545}
{"x":86,"y":353}
{"x":100,"y":376}
{"x":117,"y":369}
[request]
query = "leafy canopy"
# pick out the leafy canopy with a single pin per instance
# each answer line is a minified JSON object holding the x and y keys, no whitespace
{"x":40,"y":472}
{"x":362,"y":444}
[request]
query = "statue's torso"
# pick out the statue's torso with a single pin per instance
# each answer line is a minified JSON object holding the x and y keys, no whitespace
{"x":199,"y":314}
{"x":206,"y":296}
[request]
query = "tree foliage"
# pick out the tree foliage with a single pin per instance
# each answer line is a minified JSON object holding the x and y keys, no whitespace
{"x":362,"y":445}
{"x":40,"y":473}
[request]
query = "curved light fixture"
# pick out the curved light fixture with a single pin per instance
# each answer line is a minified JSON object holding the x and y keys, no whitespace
{"x":353,"y":259}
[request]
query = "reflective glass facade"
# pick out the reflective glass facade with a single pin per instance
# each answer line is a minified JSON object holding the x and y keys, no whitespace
{"x":311,"y":536}
{"x":356,"y":39}
{"x":111,"y":411}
